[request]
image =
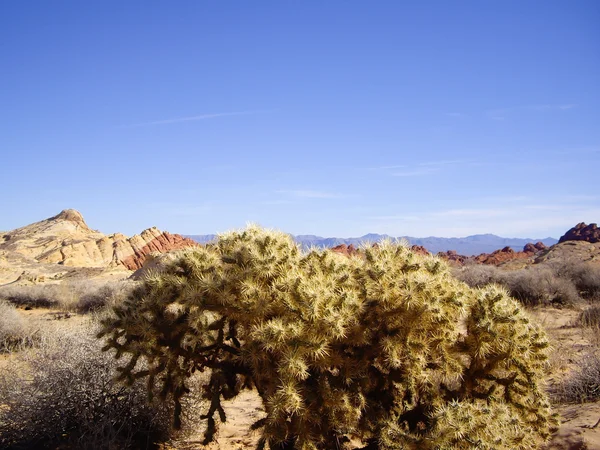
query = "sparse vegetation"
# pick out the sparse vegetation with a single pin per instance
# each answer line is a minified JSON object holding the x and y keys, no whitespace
{"x":584,"y":384}
{"x":77,"y":296}
{"x":542,"y":284}
{"x":14,"y":331}
{"x":62,"y":394}
{"x":387,"y":347}
{"x":590,"y":317}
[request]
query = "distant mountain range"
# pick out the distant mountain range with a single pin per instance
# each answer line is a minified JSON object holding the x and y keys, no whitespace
{"x":470,"y":245}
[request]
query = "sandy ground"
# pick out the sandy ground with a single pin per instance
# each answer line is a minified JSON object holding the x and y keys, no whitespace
{"x":569,"y":344}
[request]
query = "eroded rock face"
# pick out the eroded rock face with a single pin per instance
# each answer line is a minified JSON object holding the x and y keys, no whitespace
{"x":134,"y":251}
{"x":67,"y":240}
{"x":582,"y":232}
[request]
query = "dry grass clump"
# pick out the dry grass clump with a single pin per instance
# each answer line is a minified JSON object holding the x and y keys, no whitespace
{"x":79,"y":296}
{"x":14,"y":331}
{"x":584,"y":384}
{"x":590,"y":317}
{"x":62,"y":394}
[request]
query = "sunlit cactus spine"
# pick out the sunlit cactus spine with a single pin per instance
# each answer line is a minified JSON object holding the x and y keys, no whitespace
{"x":385,"y":347}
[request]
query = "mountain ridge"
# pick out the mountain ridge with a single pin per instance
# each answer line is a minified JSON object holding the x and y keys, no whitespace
{"x":469,"y":245}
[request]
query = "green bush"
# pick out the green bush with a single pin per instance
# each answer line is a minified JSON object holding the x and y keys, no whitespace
{"x":387,"y":347}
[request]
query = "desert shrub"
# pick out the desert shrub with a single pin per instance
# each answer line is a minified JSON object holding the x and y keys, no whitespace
{"x":553,"y":283}
{"x":534,"y":285}
{"x":587,"y":280}
{"x":539,"y":285}
{"x":81,"y":296}
{"x":32,"y":296}
{"x":584,"y":383}
{"x":386,"y":346}
{"x":62,"y":394}
{"x":478,"y":275}
{"x":102,"y":295}
{"x":14,"y":331}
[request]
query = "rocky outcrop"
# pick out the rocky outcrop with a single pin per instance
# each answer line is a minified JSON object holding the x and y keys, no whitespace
{"x":348,"y":250}
{"x":66,"y":239}
{"x":507,"y":254}
{"x":420,"y":250}
{"x":534,"y":248}
{"x":453,"y":257}
{"x":133,"y":252}
{"x":575,"y":251}
{"x":582,"y":232}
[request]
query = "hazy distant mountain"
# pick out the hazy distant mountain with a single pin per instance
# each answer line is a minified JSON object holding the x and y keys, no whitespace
{"x":202,"y":238}
{"x":470,"y":245}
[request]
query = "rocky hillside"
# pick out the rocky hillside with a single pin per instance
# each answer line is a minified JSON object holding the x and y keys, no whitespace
{"x":66,"y":240}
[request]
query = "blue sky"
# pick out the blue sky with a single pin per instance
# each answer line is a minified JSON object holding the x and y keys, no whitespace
{"x":334,"y":118}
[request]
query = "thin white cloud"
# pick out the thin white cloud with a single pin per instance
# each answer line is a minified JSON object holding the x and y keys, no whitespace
{"x":307,"y":193}
{"x":422,"y":168}
{"x":197,"y":118}
{"x":393,"y":166}
{"x":276,"y":202}
{"x":445,"y":162}
{"x":416,"y":172}
{"x":529,"y":220}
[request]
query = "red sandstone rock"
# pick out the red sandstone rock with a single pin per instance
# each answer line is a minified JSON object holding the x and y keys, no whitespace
{"x":162,"y":243}
{"x":420,"y":250}
{"x":348,"y":250}
{"x":582,"y":232}
{"x":453,"y":257}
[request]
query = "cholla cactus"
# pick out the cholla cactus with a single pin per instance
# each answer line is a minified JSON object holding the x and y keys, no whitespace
{"x":385,"y":346}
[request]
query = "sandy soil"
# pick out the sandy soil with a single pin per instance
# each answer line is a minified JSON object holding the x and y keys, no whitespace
{"x":569,"y":343}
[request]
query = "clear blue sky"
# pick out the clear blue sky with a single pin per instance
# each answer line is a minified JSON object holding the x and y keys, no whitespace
{"x":335,"y":118}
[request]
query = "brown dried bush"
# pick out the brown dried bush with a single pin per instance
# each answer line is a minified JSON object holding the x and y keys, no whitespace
{"x":532,"y":286}
{"x":14,"y":331}
{"x":80,"y":296}
{"x":62,"y":394}
{"x":584,"y":384}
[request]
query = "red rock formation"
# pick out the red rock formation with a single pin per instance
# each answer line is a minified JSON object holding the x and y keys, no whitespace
{"x":508,"y":254}
{"x":534,"y":248}
{"x":348,"y":250}
{"x":582,"y":232}
{"x":420,"y":250}
{"x":453,"y":257}
{"x":153,"y":241}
